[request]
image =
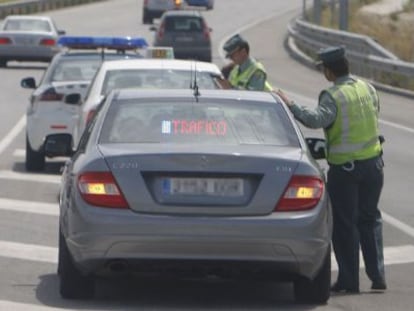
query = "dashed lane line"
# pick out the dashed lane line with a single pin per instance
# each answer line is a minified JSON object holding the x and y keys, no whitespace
{"x":42,"y":208}
{"x":11,"y":175}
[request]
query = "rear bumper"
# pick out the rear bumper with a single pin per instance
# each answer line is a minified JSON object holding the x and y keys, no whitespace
{"x":290,"y":248}
{"x":23,"y":53}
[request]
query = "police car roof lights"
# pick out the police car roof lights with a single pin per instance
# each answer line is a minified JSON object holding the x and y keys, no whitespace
{"x":115,"y":43}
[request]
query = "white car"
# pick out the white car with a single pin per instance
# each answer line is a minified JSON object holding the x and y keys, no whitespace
{"x":50,"y":119}
{"x":144,"y":73}
{"x":155,"y":8}
{"x":28,"y":38}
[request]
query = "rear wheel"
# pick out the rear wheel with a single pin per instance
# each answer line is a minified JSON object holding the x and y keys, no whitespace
{"x":316,"y":290}
{"x":73,"y":284}
{"x":35,"y":160}
{"x":3,"y":63}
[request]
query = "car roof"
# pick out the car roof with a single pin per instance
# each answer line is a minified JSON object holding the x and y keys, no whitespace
{"x":182,"y":13}
{"x":152,"y":63}
{"x":34,"y":17}
{"x":236,"y":95}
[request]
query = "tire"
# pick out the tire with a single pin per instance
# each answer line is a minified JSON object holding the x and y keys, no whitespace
{"x":318,"y":290}
{"x":73,"y":284}
{"x":35,"y":160}
{"x":3,"y":63}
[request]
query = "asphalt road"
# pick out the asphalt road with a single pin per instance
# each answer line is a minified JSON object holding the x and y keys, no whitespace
{"x":28,"y":208}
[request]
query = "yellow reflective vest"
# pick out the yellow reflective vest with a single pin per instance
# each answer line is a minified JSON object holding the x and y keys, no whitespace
{"x":354,"y":133}
{"x":242,"y":80}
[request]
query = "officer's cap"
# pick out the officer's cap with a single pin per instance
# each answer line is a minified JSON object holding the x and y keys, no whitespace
{"x":330,"y":55}
{"x":233,"y":44}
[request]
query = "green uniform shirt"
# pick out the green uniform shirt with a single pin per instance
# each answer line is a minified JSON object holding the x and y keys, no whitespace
{"x":257,"y":81}
{"x":327,"y":116}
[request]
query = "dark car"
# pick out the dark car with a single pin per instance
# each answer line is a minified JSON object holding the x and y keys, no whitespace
{"x":187,"y":32}
{"x":208,"y":4}
{"x":198,"y":183}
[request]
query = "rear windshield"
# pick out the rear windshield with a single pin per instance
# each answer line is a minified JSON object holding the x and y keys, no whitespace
{"x":76,"y":69}
{"x":27,"y":25}
{"x":183,"y":23}
{"x":155,"y":78}
{"x":226,"y":123}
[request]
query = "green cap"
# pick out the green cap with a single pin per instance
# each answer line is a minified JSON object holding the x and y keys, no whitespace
{"x":233,"y":44}
{"x":331,"y":54}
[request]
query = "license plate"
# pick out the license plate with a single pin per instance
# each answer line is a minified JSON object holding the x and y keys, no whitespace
{"x":183,"y":39}
{"x":24,"y":41}
{"x":226,"y":187}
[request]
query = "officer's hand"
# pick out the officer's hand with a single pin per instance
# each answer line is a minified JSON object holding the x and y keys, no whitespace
{"x":284,"y":97}
{"x":223,"y":83}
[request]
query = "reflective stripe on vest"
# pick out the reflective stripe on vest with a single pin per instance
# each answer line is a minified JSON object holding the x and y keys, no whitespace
{"x":242,"y":80}
{"x":354,"y":134}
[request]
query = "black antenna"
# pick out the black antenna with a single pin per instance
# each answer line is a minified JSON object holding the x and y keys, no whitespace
{"x":195,"y":84}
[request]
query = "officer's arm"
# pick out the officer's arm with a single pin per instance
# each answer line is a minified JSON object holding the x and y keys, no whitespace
{"x":320,"y":117}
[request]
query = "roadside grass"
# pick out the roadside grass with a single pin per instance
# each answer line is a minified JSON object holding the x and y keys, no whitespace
{"x":394,"y":32}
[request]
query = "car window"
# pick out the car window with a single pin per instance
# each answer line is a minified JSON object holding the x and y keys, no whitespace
{"x":184,"y":23}
{"x":75,"y":69}
{"x":155,"y":78}
{"x":249,"y":123}
{"x":24,"y":25}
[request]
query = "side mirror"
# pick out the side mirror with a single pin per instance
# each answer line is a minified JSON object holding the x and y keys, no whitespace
{"x":61,"y":32}
{"x":317,"y":147}
{"x":73,"y":99}
{"x":28,"y":83}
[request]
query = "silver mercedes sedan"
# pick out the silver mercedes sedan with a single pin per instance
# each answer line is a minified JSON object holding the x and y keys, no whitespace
{"x":199,"y":183}
{"x":28,"y":38}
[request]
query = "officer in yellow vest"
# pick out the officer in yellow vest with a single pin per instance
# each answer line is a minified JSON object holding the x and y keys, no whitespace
{"x":348,"y":113}
{"x":247,"y":73}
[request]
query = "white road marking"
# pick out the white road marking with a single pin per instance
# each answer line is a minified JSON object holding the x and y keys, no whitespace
{"x":54,"y":179}
{"x":398,"y":224}
{"x":50,"y":209}
{"x":15,"y":306}
{"x":7,"y":140}
{"x":393,"y":255}
{"x":19,"y":153}
{"x":29,"y":252}
{"x":398,"y":126}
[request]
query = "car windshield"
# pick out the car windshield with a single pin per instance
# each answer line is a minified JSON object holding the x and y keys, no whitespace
{"x":27,"y":25}
{"x":76,"y":69}
{"x":155,"y":78}
{"x":183,"y":23}
{"x":175,"y":122}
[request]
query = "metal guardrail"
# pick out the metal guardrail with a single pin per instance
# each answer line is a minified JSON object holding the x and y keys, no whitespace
{"x":34,"y":6}
{"x":366,"y":57}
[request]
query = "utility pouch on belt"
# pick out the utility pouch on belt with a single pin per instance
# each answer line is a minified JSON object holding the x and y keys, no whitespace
{"x":381,"y":140}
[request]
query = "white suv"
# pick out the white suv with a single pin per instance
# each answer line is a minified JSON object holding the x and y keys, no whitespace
{"x":155,"y":8}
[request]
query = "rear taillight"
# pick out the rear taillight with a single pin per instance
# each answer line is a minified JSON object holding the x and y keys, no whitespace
{"x":48,"y":42}
{"x":100,"y":189}
{"x":161,"y":30}
{"x":90,"y":115}
{"x":177,"y":3}
{"x":51,"y":95}
{"x":206,"y":31}
{"x":302,"y":193}
{"x":5,"y":40}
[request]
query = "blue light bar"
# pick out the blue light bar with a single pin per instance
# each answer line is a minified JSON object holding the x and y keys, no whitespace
{"x":115,"y":43}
